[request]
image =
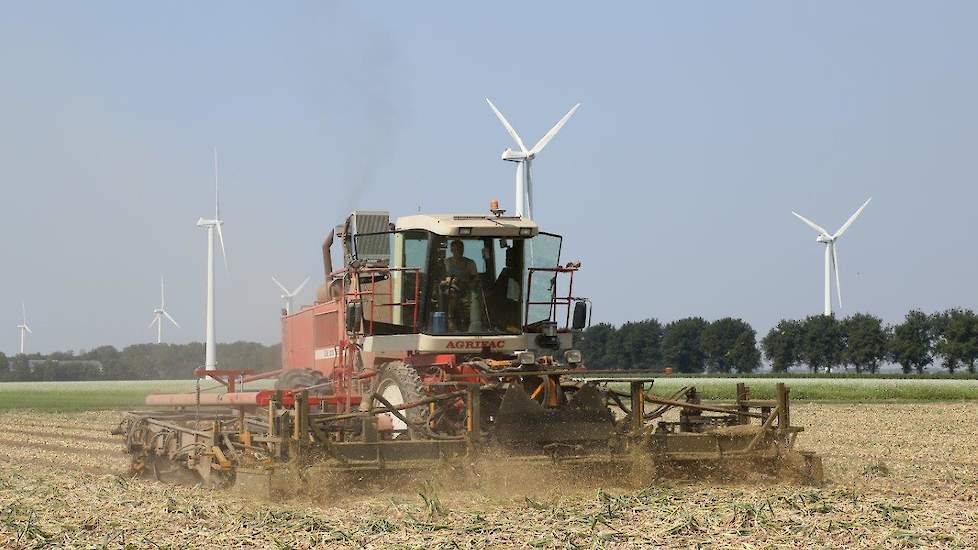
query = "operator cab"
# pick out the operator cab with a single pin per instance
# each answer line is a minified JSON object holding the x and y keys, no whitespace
{"x":457,"y":275}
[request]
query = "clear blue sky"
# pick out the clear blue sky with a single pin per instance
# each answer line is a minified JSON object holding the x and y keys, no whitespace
{"x":702,"y":126}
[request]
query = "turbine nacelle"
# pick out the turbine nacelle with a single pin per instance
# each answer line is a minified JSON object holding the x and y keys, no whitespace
{"x":516,"y":156}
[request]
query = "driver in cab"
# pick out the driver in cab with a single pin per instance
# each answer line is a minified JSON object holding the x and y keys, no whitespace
{"x":460,"y":270}
{"x":461,"y":281}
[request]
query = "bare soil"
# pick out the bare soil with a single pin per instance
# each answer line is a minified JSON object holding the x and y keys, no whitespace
{"x":899,"y":475}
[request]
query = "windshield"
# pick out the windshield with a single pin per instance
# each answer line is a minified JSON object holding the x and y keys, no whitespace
{"x":466,"y":285}
{"x":475,"y":286}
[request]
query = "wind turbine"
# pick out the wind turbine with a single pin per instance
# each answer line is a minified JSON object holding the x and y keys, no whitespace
{"x":831,"y":256}
{"x":287,"y":295}
{"x":24,"y":329}
{"x":524,"y":159}
{"x":212,"y":225}
{"x":158,"y":315}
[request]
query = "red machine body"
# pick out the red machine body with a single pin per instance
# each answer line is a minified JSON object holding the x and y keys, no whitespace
{"x":388,"y":304}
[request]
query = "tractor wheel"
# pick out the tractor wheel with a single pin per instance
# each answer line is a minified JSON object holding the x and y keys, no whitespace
{"x":400,"y":384}
{"x":300,"y":378}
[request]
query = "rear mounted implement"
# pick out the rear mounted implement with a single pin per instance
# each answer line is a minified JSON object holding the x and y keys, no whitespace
{"x":599,"y":424}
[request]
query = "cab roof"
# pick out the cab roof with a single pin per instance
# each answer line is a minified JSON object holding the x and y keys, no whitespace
{"x":476,"y":225}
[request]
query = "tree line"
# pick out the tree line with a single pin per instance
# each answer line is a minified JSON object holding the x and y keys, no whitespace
{"x":136,"y":362}
{"x":820,"y":343}
{"x":691,"y":345}
{"x":686,"y":345}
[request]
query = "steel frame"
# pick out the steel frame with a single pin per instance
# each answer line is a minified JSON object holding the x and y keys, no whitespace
{"x":214,"y":444}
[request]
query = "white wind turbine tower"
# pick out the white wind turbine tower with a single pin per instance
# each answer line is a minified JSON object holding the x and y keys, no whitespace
{"x":23,"y":328}
{"x":158,"y":315}
{"x":289,"y":295}
{"x":831,"y":256}
{"x":212,"y":225}
{"x":524,"y":159}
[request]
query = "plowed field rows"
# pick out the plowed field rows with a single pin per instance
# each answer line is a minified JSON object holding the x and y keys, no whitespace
{"x":900,"y":475}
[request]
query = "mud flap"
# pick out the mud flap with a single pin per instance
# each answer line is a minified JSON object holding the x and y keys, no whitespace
{"x":522,"y":421}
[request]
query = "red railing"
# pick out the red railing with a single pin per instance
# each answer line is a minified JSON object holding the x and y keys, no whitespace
{"x":375,"y":273}
{"x":555,"y":300}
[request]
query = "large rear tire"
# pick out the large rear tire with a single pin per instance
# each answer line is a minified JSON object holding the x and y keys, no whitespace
{"x":293,"y":379}
{"x":400,"y":384}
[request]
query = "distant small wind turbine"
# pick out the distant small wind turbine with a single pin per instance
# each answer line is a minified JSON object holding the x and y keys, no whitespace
{"x":524,"y":159}
{"x":23,"y":328}
{"x":210,"y":346}
{"x":158,"y":315}
{"x":287,"y":295}
{"x":831,"y":256}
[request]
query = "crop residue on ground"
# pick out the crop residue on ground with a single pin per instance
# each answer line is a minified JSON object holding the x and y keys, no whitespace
{"x":901,"y":475}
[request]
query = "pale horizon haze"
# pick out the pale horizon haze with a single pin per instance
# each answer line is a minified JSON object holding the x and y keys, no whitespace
{"x":701,"y":127}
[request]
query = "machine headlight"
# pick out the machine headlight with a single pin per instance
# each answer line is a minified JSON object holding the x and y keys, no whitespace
{"x":527,"y":358}
{"x":464,"y":231}
{"x":526,"y":231}
{"x":572,"y":356}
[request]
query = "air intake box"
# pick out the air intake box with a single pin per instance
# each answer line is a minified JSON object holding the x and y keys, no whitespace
{"x":371,"y":239}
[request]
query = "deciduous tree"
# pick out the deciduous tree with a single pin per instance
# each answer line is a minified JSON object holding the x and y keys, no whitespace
{"x":725,"y":345}
{"x":956,"y":338}
{"x":821,"y":343}
{"x":912,"y":344}
{"x":681,"y":350}
{"x":641,"y":345}
{"x":744,"y":355}
{"x":782,"y":345}
{"x":596,"y":343}
{"x":865,"y":342}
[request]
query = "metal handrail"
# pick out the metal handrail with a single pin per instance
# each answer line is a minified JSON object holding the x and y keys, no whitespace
{"x":373,"y":272}
{"x":555,"y":300}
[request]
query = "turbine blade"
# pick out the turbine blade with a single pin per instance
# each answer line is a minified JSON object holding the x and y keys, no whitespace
{"x":508,"y":126}
{"x":553,"y":131}
{"x":162,"y":296}
{"x":529,"y":189}
{"x":156,"y":319}
{"x":280,"y":285}
{"x":28,"y":329}
{"x":851,"y":219}
{"x":299,"y":288}
{"x":220,"y":237}
{"x":835,"y":265}
{"x":172,"y":320}
{"x":23,"y":311}
{"x":812,"y":224}
{"x":520,"y":205}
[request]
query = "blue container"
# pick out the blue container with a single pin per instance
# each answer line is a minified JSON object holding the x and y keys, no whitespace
{"x":439,"y":323}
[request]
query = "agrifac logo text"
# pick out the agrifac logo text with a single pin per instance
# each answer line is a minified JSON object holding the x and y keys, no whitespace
{"x":475,"y":344}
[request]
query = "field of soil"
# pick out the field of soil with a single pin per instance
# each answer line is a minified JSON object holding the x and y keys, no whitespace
{"x":900,"y":475}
